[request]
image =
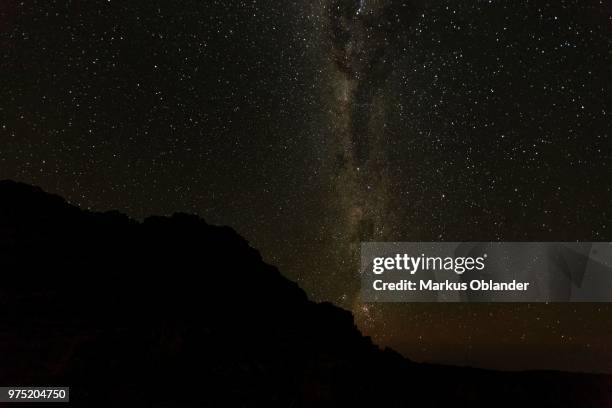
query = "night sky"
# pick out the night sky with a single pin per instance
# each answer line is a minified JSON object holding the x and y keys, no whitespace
{"x":311,"y":126}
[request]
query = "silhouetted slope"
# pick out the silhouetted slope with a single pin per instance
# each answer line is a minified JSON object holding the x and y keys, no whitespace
{"x":175,"y":312}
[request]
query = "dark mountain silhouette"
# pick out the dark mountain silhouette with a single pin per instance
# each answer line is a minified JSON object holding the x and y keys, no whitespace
{"x":174,"y":312}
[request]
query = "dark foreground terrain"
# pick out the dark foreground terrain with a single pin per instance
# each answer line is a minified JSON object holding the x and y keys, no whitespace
{"x":173,"y":312}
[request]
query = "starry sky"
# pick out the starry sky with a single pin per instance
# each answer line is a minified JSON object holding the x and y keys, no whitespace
{"x":309,"y":126}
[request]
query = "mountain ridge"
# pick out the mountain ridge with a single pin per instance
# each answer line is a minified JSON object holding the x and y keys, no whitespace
{"x":129,"y":313}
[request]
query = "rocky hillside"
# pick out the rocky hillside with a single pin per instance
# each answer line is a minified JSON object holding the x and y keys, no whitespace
{"x":174,"y":312}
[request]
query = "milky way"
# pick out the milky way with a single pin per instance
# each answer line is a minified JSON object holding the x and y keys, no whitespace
{"x":366,"y":39}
